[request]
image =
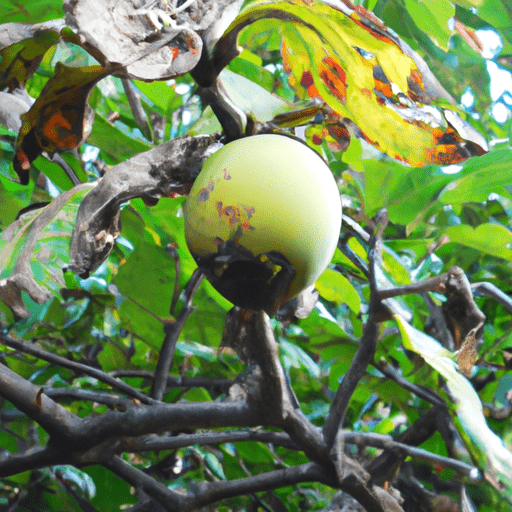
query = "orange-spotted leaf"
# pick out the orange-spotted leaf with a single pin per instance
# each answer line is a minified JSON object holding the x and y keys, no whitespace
{"x":343,"y":56}
{"x":60,"y":118}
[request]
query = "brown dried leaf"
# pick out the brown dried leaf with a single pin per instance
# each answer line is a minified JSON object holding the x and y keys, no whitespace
{"x":468,"y":355}
{"x":120,"y":32}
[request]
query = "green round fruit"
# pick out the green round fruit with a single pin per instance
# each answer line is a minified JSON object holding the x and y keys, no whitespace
{"x":263,"y":219}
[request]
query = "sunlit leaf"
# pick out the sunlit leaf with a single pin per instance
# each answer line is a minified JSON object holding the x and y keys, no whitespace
{"x":487,"y":238}
{"x":479,"y":177}
{"x":335,"y":287}
{"x":350,"y":61}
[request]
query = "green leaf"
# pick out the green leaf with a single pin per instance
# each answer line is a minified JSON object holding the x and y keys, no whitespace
{"x":33,"y":11}
{"x":479,"y":177}
{"x":19,"y":60}
{"x":115,"y":145}
{"x":493,"y":239}
{"x":432,"y":16}
{"x":81,"y":479}
{"x":293,"y":355}
{"x":405,"y":192}
{"x":335,"y":287}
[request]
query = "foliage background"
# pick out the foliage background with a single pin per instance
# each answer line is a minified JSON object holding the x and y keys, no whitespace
{"x":439,"y":217}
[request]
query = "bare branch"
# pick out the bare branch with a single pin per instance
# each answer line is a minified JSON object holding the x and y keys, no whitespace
{"x":34,"y":458}
{"x":170,"y":500}
{"x":386,"y":443}
{"x":176,"y":382}
{"x":30,"y":399}
{"x":432,"y":284}
{"x":27,"y":348}
{"x":492,"y":291}
{"x":136,"y":106}
{"x":72,"y":394}
{"x":422,"y":392}
{"x":365,"y":350}
{"x":208,"y":438}
{"x":172,"y":331}
{"x":212,"y":492}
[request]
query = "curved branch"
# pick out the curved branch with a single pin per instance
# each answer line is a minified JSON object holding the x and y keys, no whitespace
{"x":27,"y":348}
{"x":165,"y":170}
{"x":366,"y":348}
{"x":34,"y":458}
{"x":30,"y":399}
{"x":170,"y":500}
{"x":208,"y":438}
{"x":212,"y":492}
{"x":172,"y":331}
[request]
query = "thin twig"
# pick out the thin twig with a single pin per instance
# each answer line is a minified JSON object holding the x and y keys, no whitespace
{"x":171,"y":250}
{"x":432,"y":284}
{"x":182,"y":7}
{"x":172,"y":331}
{"x":152,"y":443}
{"x":365,"y":350}
{"x":136,"y":106}
{"x":353,"y":257}
{"x":27,"y":348}
{"x":492,"y":291}
{"x":109,"y":399}
{"x":386,"y":442}
{"x":170,"y":500}
{"x":425,"y":393}
{"x":176,"y":382}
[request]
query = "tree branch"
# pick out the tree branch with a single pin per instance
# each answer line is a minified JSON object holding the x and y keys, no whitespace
{"x":169,"y":500}
{"x":366,"y":348}
{"x":167,"y":169}
{"x":493,"y":292}
{"x":172,"y":331}
{"x":205,"y":493}
{"x":33,"y":458}
{"x":152,"y":443}
{"x":176,"y":382}
{"x":30,"y":399}
{"x":27,"y":348}
{"x":422,"y":392}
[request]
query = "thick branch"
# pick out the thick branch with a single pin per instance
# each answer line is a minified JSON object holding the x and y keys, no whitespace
{"x":142,"y":420}
{"x":34,"y":458}
{"x":30,"y":399}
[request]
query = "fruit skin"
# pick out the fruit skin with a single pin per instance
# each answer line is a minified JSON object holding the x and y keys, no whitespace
{"x":262,"y":220}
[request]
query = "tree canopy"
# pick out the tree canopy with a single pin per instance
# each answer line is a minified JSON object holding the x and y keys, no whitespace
{"x":127,"y":382}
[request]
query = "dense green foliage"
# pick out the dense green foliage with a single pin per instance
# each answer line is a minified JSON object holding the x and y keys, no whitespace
{"x":114,"y":321}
